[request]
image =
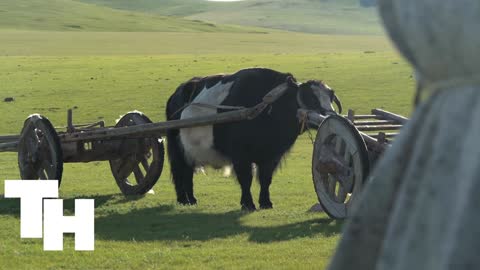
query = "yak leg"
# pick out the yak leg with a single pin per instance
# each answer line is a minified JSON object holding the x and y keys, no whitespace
{"x":188,"y":186}
{"x":265,"y":171}
{"x":182,"y":172}
{"x":183,"y":180}
{"x":243,"y":170}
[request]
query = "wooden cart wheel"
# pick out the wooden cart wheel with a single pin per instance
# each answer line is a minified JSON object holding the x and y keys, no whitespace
{"x":39,"y":150}
{"x":142,"y":162}
{"x":339,"y":165}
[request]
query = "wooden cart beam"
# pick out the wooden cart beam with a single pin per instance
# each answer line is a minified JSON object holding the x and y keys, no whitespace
{"x":365,"y":116}
{"x":155,"y":129}
{"x":9,"y":146}
{"x":158,"y":129}
{"x":379,"y":127}
{"x":9,"y":138}
{"x":375,"y":122}
{"x":390,"y":116}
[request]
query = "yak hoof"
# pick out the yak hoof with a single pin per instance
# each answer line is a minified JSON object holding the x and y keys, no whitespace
{"x":266,"y":206}
{"x":186,"y":199}
{"x":249,"y":208}
{"x":187,"y":202}
{"x":192,"y":201}
{"x":183,"y":202}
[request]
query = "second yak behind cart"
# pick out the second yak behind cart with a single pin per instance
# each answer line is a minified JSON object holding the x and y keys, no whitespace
{"x":262,"y":141}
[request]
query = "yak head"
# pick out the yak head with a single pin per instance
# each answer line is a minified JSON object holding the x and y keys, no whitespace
{"x":317,"y":96}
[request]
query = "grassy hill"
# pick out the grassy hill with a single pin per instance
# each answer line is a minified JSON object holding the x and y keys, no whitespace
{"x":313,"y":16}
{"x":67,"y":15}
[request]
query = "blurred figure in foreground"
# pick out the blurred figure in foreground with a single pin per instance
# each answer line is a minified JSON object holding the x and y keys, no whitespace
{"x":419,"y":209}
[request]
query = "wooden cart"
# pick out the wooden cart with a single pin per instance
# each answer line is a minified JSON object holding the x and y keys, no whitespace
{"x":134,"y":146}
{"x":344,"y":150}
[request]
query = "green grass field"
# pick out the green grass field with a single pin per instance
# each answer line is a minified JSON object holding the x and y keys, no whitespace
{"x":154,"y":232}
{"x":54,"y":43}
{"x":118,"y":61}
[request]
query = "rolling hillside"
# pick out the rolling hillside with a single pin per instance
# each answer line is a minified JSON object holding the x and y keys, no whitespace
{"x":313,"y":16}
{"x":69,"y":15}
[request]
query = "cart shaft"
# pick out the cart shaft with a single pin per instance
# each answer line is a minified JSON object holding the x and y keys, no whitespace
{"x":156,"y":129}
{"x":9,"y":138}
{"x":390,"y":116}
{"x":9,"y":146}
{"x":161,"y":128}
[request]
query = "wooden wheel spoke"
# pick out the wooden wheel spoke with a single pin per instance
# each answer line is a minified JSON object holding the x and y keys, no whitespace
{"x":350,"y":183}
{"x":345,"y":181}
{"x":42,"y":175}
{"x":42,"y":141}
{"x":125,"y":167}
{"x":332,"y":184}
{"x":32,"y":145}
{"x":338,"y":145}
{"x":149,"y":154}
{"x":145,"y":164}
{"x":37,"y":134}
{"x":325,"y":180}
{"x":29,"y":173}
{"x":138,"y":174}
{"x":46,"y":165}
{"x":341,"y":194}
{"x":347,"y":155}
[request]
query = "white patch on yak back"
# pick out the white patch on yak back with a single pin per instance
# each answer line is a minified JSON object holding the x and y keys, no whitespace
{"x":197,"y":142}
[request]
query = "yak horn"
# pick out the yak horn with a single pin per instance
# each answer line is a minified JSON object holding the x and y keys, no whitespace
{"x":339,"y":104}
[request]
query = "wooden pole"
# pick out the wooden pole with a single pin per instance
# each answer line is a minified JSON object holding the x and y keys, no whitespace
{"x":379,"y":127}
{"x":390,"y":116}
{"x":351,"y":115}
{"x":9,"y":146}
{"x":364,"y":116}
{"x":70,"y":127}
{"x":158,"y":129}
{"x":375,"y":122}
{"x":9,"y":138}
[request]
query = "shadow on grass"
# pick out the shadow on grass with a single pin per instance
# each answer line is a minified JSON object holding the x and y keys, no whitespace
{"x":161,"y":223}
{"x":11,"y":206}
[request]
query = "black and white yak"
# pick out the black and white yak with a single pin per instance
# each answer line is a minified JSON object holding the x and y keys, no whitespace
{"x":262,"y":141}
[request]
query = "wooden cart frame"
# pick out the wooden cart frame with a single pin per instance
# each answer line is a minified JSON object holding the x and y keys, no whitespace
{"x":134,"y":146}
